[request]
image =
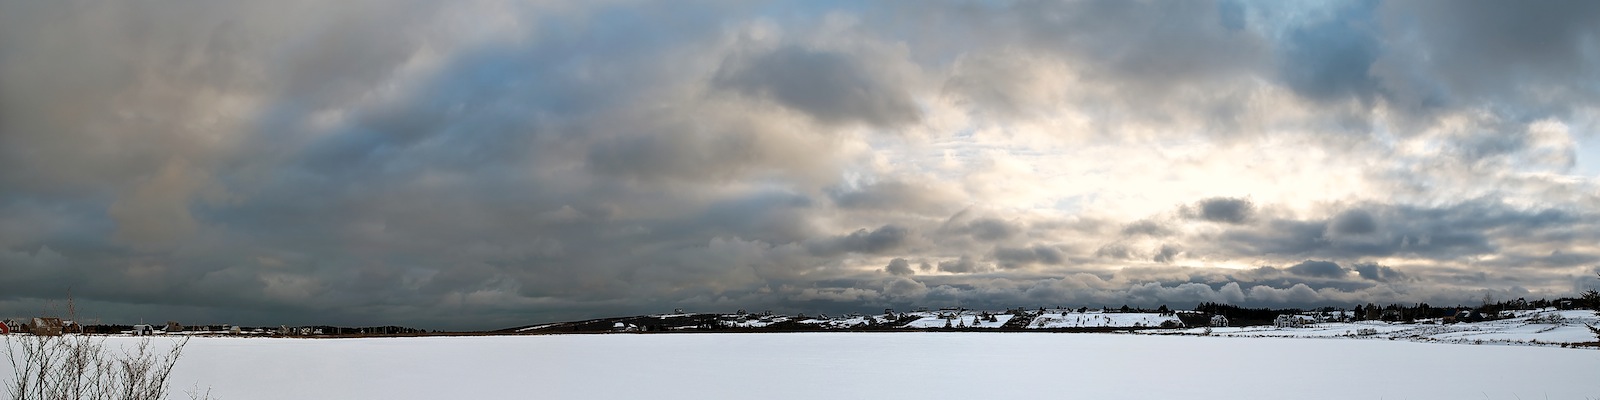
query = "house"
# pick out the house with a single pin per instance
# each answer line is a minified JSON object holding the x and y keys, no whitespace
{"x":1219,"y":321}
{"x":174,"y":326}
{"x":46,"y":326}
{"x":143,"y":330}
{"x":1288,"y":321}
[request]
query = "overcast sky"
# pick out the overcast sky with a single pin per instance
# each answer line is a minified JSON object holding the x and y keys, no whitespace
{"x":485,"y":164}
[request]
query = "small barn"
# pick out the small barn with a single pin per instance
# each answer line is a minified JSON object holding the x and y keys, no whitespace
{"x":143,"y":330}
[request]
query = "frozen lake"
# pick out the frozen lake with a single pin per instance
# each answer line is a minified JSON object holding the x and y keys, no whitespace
{"x":878,"y":365}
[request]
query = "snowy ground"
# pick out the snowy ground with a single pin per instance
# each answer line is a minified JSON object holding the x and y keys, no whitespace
{"x":1097,"y":319}
{"x":846,"y":322}
{"x":963,"y":320}
{"x":877,"y":365}
{"x":1531,"y":327}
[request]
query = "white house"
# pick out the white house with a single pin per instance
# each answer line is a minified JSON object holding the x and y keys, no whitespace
{"x":1288,"y":321}
{"x":1219,"y":321}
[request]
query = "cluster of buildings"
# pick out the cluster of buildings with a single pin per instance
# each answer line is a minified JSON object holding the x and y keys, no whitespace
{"x":43,"y":326}
{"x":53,"y":326}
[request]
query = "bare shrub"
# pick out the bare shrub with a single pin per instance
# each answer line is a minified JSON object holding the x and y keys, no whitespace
{"x":74,"y":367}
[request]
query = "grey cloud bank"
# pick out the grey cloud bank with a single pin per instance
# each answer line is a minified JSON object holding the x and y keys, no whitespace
{"x":494,"y":163}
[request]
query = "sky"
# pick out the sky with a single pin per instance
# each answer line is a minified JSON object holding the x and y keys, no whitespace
{"x":482,"y":164}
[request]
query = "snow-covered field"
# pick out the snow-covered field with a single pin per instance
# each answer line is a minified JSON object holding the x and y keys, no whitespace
{"x":877,"y":365}
{"x":1530,"y":327}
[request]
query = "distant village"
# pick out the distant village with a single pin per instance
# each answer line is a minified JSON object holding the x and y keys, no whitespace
{"x":1052,"y":319}
{"x":55,"y":326}
{"x":1055,"y":319}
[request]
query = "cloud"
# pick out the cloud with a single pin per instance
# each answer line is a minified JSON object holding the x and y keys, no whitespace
{"x":1167,"y":253}
{"x":1148,"y":228}
{"x":904,"y":289}
{"x":1331,"y":59}
{"x":156,"y":213}
{"x":1222,"y":209}
{"x":1323,"y":269}
{"x":830,"y":86}
{"x":1017,"y":257}
{"x":983,"y":228}
{"x":1377,"y":272}
{"x":897,"y":197}
{"x":1540,"y":46}
{"x":887,"y":237}
{"x":899,"y":267}
{"x":486,"y":164}
{"x":963,"y":265}
{"x":1297,"y":294}
{"x":1353,"y":222}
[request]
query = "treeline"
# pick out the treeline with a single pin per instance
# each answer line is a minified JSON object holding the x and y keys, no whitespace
{"x":1487,"y":309}
{"x":368,"y":330}
{"x":1240,"y":313}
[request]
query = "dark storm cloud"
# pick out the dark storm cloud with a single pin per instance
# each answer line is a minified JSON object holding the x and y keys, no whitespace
{"x":1222,"y":209}
{"x":830,"y":86}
